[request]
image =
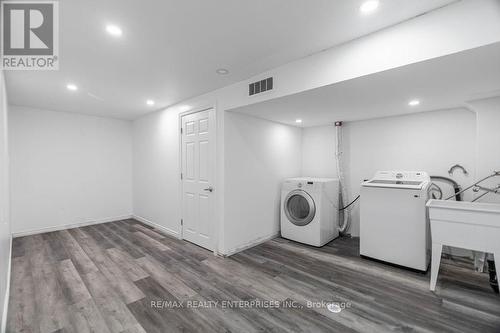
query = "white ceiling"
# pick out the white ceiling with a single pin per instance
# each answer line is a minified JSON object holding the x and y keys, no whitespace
{"x":170,"y":49}
{"x":439,"y":83}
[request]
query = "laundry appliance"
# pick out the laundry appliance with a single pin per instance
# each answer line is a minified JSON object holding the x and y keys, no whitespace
{"x":393,"y":218}
{"x":309,"y":210}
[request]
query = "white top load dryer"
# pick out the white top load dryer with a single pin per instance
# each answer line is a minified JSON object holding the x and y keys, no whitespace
{"x":393,"y":218}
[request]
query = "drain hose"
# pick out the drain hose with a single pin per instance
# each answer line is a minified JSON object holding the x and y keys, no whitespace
{"x":344,"y":214}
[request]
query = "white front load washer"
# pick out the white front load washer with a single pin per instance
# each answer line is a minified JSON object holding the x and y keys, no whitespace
{"x":309,"y":210}
{"x":393,"y":218}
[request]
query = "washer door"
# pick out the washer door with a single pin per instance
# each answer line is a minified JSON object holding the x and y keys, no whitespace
{"x":299,"y":207}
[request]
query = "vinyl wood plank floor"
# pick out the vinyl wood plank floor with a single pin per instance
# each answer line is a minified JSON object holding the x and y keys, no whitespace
{"x":111,"y":278}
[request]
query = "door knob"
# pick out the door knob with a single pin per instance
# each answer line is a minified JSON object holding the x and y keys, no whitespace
{"x":209,"y":189}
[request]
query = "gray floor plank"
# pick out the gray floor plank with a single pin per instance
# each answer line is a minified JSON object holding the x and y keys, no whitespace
{"x":127,"y":264}
{"x":51,"y":307}
{"x":86,"y":317}
{"x":148,"y":231}
{"x":121,"y":242}
{"x":71,"y":283}
{"x":114,"y":311}
{"x":22,"y":312}
{"x":113,"y":273}
{"x":80,"y":259}
{"x":166,"y":279}
{"x":19,"y":246}
{"x":104,"y":278}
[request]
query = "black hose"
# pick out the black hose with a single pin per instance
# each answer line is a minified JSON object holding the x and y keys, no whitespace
{"x":456,"y":187}
{"x":343,"y":208}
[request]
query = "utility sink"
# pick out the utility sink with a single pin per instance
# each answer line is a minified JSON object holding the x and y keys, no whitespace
{"x":468,"y":225}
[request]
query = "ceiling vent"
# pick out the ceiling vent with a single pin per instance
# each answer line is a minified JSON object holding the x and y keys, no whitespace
{"x":260,"y":86}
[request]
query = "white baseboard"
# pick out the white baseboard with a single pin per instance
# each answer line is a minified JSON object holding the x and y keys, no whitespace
{"x":7,"y":291}
{"x":69,"y":226}
{"x":250,"y":244}
{"x":168,"y":231}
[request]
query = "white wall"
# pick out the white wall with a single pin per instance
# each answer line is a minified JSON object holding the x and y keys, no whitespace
{"x":259,"y":154}
{"x":68,"y":169}
{"x":318,"y":152}
{"x":5,"y":245}
{"x":156,"y":170}
{"x":430,"y":141}
{"x":264,"y":152}
{"x":488,"y":142}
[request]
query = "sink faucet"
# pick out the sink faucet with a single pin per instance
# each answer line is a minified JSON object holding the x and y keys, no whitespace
{"x":458,"y":166}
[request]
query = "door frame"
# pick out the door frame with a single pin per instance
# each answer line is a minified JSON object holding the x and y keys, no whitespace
{"x":215,"y":223}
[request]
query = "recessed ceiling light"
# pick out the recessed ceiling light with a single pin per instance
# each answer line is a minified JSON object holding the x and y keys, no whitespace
{"x":369,"y":6}
{"x":114,"y":30}
{"x":150,"y":102}
{"x":414,"y":102}
{"x":298,"y":121}
{"x":184,"y":108}
{"x":222,"y":71}
{"x":72,"y":87}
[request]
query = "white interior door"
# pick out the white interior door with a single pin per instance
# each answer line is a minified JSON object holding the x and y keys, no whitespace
{"x":198,"y":170}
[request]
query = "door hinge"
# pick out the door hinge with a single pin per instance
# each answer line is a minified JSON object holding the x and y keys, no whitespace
{"x":181,"y":176}
{"x":182,"y":222}
{"x":181,"y":130}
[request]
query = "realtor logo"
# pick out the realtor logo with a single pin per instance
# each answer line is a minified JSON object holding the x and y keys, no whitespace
{"x":30,"y":35}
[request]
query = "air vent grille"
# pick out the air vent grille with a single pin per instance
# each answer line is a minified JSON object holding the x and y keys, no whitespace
{"x":260,"y":86}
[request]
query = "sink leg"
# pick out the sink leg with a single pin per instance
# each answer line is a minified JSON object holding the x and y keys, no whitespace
{"x":436,"y":261}
{"x":496,"y":257}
